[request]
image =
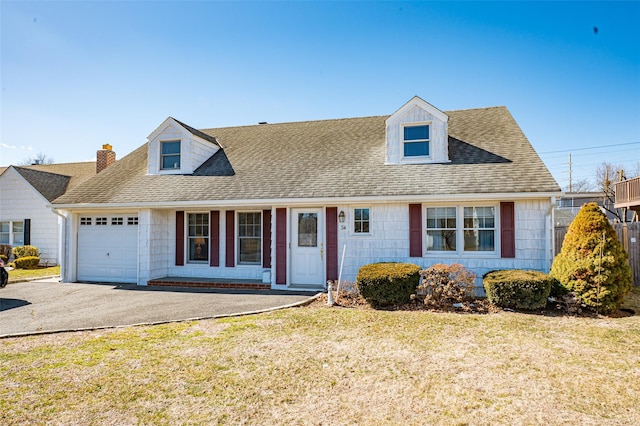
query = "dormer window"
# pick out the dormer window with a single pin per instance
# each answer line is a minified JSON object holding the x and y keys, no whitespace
{"x":170,"y":155}
{"x":416,"y":140}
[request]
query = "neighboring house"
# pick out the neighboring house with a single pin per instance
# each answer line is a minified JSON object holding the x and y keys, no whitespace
{"x":26,"y":193}
{"x":278,"y":203}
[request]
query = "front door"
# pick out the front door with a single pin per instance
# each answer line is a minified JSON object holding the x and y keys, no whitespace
{"x":307,"y":247}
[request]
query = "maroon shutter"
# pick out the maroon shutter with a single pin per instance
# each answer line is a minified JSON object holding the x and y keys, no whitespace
{"x":214,"y":238}
{"x":179,"y":238}
{"x":332,"y":243}
{"x":507,"y":230}
{"x":27,"y":232}
{"x":230,"y":239}
{"x":281,"y":246}
{"x":415,"y":230}
{"x":266,"y":238}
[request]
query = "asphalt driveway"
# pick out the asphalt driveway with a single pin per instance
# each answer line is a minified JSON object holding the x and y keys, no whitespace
{"x":50,"y":306}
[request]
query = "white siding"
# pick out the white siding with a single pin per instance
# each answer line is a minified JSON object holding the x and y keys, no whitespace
{"x":193,"y":150}
{"x":388,"y":241}
{"x":19,"y":201}
{"x":439,"y":147}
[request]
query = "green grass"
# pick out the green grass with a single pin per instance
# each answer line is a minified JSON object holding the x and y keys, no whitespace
{"x":320,"y":365}
{"x":23,"y":274}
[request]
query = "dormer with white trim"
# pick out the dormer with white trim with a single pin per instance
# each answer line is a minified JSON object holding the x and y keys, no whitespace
{"x":417,"y":133}
{"x":175,"y":148}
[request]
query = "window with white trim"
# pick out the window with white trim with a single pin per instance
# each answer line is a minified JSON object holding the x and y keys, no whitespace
{"x":85,"y":221}
{"x":249,"y":238}
{"x":361,"y":220}
{"x":416,"y":140}
{"x":12,"y":233}
{"x":461,"y":229}
{"x":480,"y":229}
{"x":117,"y":221}
{"x":441,"y":229}
{"x":132,"y":220}
{"x":169,"y":155}
{"x":101,"y":220}
{"x":198,"y":237}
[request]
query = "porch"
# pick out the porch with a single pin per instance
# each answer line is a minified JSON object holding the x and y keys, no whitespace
{"x":628,"y":194}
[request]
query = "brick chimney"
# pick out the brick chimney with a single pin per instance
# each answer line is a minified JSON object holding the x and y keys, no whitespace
{"x":104,"y":158}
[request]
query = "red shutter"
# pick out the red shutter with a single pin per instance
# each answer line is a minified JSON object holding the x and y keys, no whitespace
{"x":332,"y":243}
{"x":507,"y":230}
{"x":415,"y":230}
{"x":214,"y":238}
{"x":266,"y":238}
{"x":281,"y":246}
{"x":179,"y":238}
{"x":230,"y":239}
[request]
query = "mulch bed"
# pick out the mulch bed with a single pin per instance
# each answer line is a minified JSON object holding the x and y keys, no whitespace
{"x":353,"y":300}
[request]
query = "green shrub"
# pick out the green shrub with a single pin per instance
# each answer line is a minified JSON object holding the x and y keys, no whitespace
{"x":443,"y":285}
{"x":27,"y":262}
{"x":592,"y":262}
{"x":24,"y":251}
{"x":384,"y":284}
{"x":517,"y":289}
{"x":5,"y":250}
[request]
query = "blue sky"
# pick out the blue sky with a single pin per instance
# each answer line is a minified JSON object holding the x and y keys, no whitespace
{"x":76,"y":75}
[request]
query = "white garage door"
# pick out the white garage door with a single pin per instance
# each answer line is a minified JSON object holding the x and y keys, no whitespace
{"x":108,"y":248}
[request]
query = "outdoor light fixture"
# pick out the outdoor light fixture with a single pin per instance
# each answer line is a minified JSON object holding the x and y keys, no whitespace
{"x":341,"y":216}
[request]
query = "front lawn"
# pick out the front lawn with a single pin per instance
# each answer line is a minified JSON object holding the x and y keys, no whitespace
{"x":321,"y":365}
{"x":24,"y":274}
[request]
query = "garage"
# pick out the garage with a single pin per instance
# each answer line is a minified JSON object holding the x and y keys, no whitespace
{"x":108,"y":248}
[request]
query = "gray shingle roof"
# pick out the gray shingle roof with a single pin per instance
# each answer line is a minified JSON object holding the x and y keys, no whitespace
{"x":332,"y":158}
{"x":52,"y":180}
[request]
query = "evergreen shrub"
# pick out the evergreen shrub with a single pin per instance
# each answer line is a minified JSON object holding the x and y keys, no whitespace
{"x":517,"y":289}
{"x":27,"y":262}
{"x":592,"y":262}
{"x":388,"y":283}
{"x":24,"y":251}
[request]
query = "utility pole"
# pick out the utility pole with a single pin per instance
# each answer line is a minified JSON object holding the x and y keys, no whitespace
{"x":570,"y":186}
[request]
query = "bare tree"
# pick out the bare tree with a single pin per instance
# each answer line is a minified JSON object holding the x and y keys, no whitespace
{"x":607,"y":175}
{"x":41,"y":158}
{"x":583,"y":185}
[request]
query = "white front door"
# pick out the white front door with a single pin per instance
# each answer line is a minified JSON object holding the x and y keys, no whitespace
{"x":307,"y":247}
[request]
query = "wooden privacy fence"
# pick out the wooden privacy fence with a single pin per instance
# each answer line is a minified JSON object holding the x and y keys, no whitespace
{"x":629,"y":236}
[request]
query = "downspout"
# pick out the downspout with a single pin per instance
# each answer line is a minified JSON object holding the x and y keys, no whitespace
{"x":550,"y":240}
{"x":62,"y":247}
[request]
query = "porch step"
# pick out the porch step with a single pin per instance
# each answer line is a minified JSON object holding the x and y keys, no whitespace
{"x":209,"y":283}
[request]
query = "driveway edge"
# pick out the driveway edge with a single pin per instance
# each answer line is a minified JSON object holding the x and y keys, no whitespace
{"x":142,"y":324}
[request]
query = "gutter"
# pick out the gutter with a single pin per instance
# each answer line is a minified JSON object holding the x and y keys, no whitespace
{"x":287,"y":202}
{"x":62,"y":250}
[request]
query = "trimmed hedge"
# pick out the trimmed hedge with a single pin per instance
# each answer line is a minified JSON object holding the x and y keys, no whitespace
{"x":517,"y":289}
{"x":24,"y":251}
{"x":27,"y":262}
{"x":388,"y":283}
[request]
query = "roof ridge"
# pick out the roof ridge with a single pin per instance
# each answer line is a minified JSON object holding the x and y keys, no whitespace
{"x":297,"y":122}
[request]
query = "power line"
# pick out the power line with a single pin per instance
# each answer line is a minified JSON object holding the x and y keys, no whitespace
{"x":589,"y":147}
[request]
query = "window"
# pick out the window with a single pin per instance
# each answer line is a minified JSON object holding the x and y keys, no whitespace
{"x":85,"y":221}
{"x":117,"y":221}
{"x":198,"y":237}
{"x":101,"y":220}
{"x":170,"y":155}
{"x":461,"y":229}
{"x":12,"y":233}
{"x":441,"y":229}
{"x":361,"y":221}
{"x":479,"y":228}
{"x":416,"y":140}
{"x":249,"y":238}
{"x":132,"y":220}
